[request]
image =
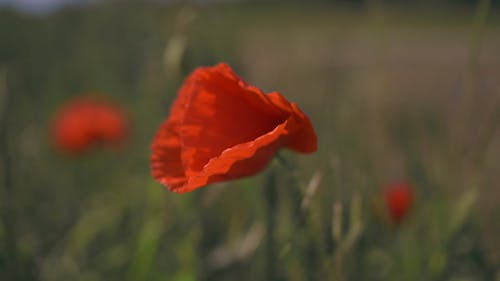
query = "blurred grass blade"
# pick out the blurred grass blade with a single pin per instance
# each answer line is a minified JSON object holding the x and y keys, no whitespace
{"x":462,"y":210}
{"x":149,"y":236}
{"x":236,"y":251}
{"x":311,"y":189}
{"x":337,"y":221}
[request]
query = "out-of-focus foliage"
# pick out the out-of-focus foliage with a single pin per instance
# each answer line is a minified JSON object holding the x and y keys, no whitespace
{"x":395,"y":94}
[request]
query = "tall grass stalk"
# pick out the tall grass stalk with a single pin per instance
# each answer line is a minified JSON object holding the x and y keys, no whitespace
{"x":467,"y":105}
{"x":8,"y":208}
{"x":271,"y":200}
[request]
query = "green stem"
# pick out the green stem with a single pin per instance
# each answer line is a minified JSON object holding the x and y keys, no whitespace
{"x":270,"y":194}
{"x":303,"y":232}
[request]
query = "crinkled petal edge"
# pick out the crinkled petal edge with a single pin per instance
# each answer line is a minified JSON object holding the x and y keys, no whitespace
{"x":218,"y":168}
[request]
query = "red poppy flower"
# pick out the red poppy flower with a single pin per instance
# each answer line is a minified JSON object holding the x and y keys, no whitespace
{"x":84,"y":122}
{"x":399,"y":200}
{"x":221,"y":128}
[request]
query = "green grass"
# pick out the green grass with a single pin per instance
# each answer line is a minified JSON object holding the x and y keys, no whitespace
{"x":384,"y":92}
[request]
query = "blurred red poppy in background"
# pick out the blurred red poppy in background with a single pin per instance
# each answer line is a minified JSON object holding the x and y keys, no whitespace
{"x":84,"y":122}
{"x":221,"y":128}
{"x":399,"y":200}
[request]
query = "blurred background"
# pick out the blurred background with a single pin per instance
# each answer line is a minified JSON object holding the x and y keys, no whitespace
{"x":403,"y":92}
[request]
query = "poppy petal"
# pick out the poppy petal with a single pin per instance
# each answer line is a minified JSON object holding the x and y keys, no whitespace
{"x":85,"y":121}
{"x":221,"y":113}
{"x":302,"y":136}
{"x":221,"y":128}
{"x":242,"y":160}
{"x":166,"y":164}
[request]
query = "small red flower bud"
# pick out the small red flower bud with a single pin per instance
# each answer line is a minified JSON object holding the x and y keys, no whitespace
{"x":399,"y":200}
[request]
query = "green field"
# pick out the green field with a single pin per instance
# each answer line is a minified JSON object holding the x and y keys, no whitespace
{"x":396,"y":93}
